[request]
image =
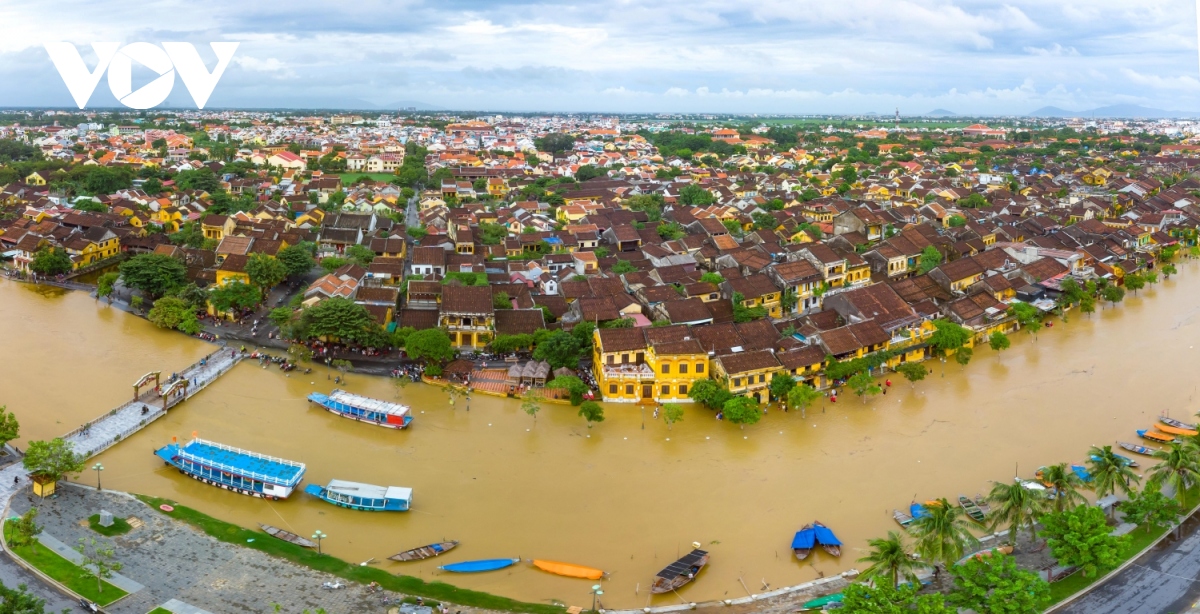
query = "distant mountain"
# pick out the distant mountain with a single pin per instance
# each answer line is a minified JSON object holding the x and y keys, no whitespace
{"x":1116,"y":110}
{"x":418,"y":105}
{"x":940,"y":113}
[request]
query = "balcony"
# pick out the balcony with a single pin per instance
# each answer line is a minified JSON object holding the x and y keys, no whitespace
{"x":639,"y":373}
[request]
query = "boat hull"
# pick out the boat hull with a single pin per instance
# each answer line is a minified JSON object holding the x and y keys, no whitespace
{"x":287,"y":536}
{"x":399,"y":427}
{"x":1156,"y":437}
{"x":424,"y":552}
{"x":1175,"y":430}
{"x":235,"y":489}
{"x":479,"y":566}
{"x":569,"y":570}
{"x":679,"y":573}
{"x":322,"y":494}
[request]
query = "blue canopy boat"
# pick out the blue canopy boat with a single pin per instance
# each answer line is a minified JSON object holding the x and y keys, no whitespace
{"x":916,"y":510}
{"x":364,"y":497}
{"x":1129,"y":462}
{"x":815,"y":534}
{"x":478,"y":566}
{"x":242,"y":471}
{"x":364,"y":409}
{"x":827,"y":539}
{"x":1082,"y":472}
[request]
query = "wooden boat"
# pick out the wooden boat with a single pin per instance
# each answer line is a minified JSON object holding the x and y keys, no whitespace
{"x":286,"y":536}
{"x":903,"y":519}
{"x":480,"y":565}
{"x":1082,"y":473}
{"x":804,"y":541}
{"x":820,"y":602}
{"x":983,"y":505}
{"x":363,"y":497}
{"x":680,"y":572}
{"x":424,"y":552}
{"x":827,"y":539}
{"x":918,"y":511}
{"x":1179,"y":424}
{"x":1155,"y":436}
{"x":972,"y":510}
{"x":569,"y":570}
{"x":1166,"y":427}
{"x":1136,"y":449}
{"x":1128,"y":462}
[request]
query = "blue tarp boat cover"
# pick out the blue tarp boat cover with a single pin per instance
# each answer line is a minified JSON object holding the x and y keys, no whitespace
{"x":917,"y":510}
{"x":825,"y":537}
{"x":805,"y":538}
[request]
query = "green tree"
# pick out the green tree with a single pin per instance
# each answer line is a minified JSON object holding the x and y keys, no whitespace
{"x":265,"y":271}
{"x":172,"y":312}
{"x":995,"y":584}
{"x":781,"y":385}
{"x":863,"y":385}
{"x":10,"y":429}
{"x":942,"y":533}
{"x":1087,"y":304}
{"x":560,"y":349}
{"x":337,"y":318}
{"x":930,"y":259}
{"x":882,"y":599}
{"x":1135,"y":282}
{"x":431,"y":345}
{"x":154,"y":274}
{"x":963,"y":356}
{"x":52,"y":459}
{"x":51,"y":261}
{"x":1177,"y":467}
{"x":1151,"y":508}
{"x":592,"y":412}
{"x":912,"y":371}
{"x":24,"y":529}
{"x":999,"y":342}
{"x":623,"y":266}
{"x":892,"y":559}
{"x":297,"y":260}
{"x":573,"y":385}
{"x":742,"y":411}
{"x":531,"y":406}
{"x":99,"y":560}
{"x":710,"y":393}
{"x":670,"y":231}
{"x":948,"y":336}
{"x":1063,"y":481}
{"x":693,"y":194}
{"x":1110,"y":473}
{"x":801,"y":395}
{"x":281,"y":316}
{"x":302,"y":353}
{"x":956,"y":221}
{"x":332,"y":263}
{"x":360,"y":255}
{"x":106,"y":282}
{"x":1113,"y":294}
{"x":712,"y":278}
{"x":1168,"y":270}
{"x":1081,"y":537}
{"x":1016,"y":506}
{"x":234,"y":295}
{"x":672,"y":413}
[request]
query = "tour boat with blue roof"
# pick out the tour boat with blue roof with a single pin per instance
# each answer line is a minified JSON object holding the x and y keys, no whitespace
{"x":364,"y":409}
{"x":242,"y":471}
{"x":365,"y":497}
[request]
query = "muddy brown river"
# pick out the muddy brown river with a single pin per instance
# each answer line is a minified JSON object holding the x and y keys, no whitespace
{"x":628,"y":495}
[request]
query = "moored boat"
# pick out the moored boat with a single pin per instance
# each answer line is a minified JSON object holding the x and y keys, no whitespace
{"x":904,"y":520}
{"x":1155,"y":436}
{"x":804,"y":541}
{"x":971,"y":509}
{"x":424,"y":552}
{"x":984,"y":506}
{"x":1082,"y":473}
{"x":364,"y":497}
{"x":827,"y":539}
{"x":1136,"y":449}
{"x":480,"y":565}
{"x":1168,"y":427}
{"x":364,"y":409}
{"x":287,"y":536}
{"x":1128,"y":462}
{"x":680,"y":572}
{"x":241,"y":471}
{"x":569,"y":570}
{"x":918,"y":511}
{"x":821,"y":602}
{"x":1179,"y":424}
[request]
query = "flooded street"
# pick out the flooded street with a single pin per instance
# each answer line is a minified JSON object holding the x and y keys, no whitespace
{"x":626,"y":499}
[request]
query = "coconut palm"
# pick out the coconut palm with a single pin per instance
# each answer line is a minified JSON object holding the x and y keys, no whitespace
{"x":1177,"y":467}
{"x":890,"y":557}
{"x":1110,"y":473}
{"x":1061,"y":480}
{"x":943,"y":533}
{"x":1017,"y":506}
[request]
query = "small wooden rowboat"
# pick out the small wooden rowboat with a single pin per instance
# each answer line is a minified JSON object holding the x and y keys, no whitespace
{"x":1179,"y":424}
{"x":827,"y":539}
{"x":983,"y":505}
{"x":680,"y":572}
{"x":424,"y":552}
{"x":1168,"y":425}
{"x":1133,"y":447}
{"x":287,"y":536}
{"x":972,"y":510}
{"x":903,"y":519}
{"x":1155,"y":436}
{"x":569,"y":570}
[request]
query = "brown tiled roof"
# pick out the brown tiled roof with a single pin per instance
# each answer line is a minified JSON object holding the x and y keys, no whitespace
{"x":467,"y":299}
{"x":234,"y":263}
{"x":803,"y":357}
{"x":678,"y":348}
{"x":419,"y":319}
{"x":667,"y":334}
{"x":753,"y":286}
{"x":684,"y":310}
{"x":622,"y":339}
{"x":519,"y":321}
{"x":748,"y":361}
{"x":718,"y":338}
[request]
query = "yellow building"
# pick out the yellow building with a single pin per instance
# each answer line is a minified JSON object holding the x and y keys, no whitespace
{"x":216,"y":227}
{"x":92,"y":246}
{"x":232,"y":269}
{"x":620,"y":366}
{"x":748,"y":374}
{"x":676,"y":365}
{"x":467,"y":315}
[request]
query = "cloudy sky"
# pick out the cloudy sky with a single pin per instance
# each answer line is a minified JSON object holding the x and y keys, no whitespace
{"x":744,"y":56}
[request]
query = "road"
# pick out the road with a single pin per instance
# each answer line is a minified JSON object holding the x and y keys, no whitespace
{"x":1160,"y":581}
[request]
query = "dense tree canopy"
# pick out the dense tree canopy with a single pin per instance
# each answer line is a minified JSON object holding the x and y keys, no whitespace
{"x":154,"y":274}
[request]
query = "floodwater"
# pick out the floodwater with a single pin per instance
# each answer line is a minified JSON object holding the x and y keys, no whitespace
{"x":621,"y":496}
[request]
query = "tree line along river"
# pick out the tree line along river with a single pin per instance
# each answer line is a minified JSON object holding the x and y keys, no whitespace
{"x":620,"y":496}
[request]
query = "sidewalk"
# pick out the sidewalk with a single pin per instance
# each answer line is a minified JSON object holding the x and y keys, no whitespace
{"x":69,"y":553}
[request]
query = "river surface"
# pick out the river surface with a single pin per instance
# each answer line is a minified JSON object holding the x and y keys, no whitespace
{"x":628,"y":495}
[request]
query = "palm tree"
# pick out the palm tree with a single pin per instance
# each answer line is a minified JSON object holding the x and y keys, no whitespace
{"x":1016,"y":506}
{"x":1065,"y":484}
{"x":891,"y":557}
{"x":1178,"y":468}
{"x":1110,"y":473}
{"x":943,"y":533}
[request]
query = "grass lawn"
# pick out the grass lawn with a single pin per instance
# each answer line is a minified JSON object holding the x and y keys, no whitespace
{"x":159,"y":610}
{"x":440,"y":591}
{"x":349,"y":177}
{"x":67,"y":573}
{"x":119,"y":526}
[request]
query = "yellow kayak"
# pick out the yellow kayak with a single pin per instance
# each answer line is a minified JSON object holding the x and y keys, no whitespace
{"x":569,"y":570}
{"x":1174,"y":430}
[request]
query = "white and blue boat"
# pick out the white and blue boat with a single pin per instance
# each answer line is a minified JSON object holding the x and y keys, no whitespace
{"x":364,"y":409}
{"x":242,"y":471}
{"x":364,"y":497}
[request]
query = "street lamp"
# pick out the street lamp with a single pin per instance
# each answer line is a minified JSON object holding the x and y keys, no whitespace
{"x":318,"y":535}
{"x":596,"y":592}
{"x":98,"y":468}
